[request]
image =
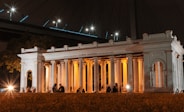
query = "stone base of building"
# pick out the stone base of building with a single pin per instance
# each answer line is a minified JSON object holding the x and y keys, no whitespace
{"x":159,"y":90}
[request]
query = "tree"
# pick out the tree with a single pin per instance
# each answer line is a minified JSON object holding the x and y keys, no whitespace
{"x":9,"y":57}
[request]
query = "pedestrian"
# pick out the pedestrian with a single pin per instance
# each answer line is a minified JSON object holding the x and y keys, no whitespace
{"x":61,"y":88}
{"x":54,"y":88}
{"x":108,"y":89}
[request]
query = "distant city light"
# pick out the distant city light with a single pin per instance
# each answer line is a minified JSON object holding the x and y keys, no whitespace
{"x":56,"y":22}
{"x":11,"y":11}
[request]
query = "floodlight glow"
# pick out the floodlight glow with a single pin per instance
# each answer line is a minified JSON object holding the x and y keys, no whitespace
{"x":10,"y":88}
{"x":127,"y":86}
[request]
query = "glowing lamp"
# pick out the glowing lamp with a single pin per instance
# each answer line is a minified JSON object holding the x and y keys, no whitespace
{"x":116,"y":33}
{"x":87,"y":29}
{"x":59,"y":20}
{"x":128,"y":87}
{"x":10,"y":88}
{"x":12,"y":9}
{"x":92,"y":28}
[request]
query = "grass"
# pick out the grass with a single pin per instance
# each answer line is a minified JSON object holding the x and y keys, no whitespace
{"x":72,"y":102}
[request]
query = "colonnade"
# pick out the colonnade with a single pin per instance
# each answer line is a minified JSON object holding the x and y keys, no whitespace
{"x":95,"y":74}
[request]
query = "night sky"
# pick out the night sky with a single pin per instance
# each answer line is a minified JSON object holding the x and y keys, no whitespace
{"x":152,"y":16}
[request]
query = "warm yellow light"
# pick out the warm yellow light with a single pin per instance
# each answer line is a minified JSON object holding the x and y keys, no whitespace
{"x":10,"y":88}
{"x":127,"y":86}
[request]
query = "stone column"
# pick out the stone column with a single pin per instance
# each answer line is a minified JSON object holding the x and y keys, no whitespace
{"x":62,"y":74}
{"x":125,"y":71}
{"x":169,"y":71}
{"x":112,"y":71}
{"x":159,"y":75}
{"x":35,"y":75}
{"x":23,"y":78}
{"x":47,"y":74}
{"x":40,"y":78}
{"x":84,"y":76}
{"x":135,"y":75}
{"x":180,"y":69}
{"x":130,"y":76}
{"x":96,"y":75}
{"x":52,"y":75}
{"x":140,"y":72}
{"x":89,"y":77}
{"x":66,"y":76}
{"x":76,"y":75}
{"x":58,"y":74}
{"x":103,"y":75}
{"x":109,"y":73}
{"x":118,"y":77}
{"x":80,"y":73}
{"x":72,"y":76}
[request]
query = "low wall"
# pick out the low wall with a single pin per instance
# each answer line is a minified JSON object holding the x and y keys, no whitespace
{"x":72,"y":102}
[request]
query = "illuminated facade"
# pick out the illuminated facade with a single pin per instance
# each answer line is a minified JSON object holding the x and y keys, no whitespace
{"x":151,"y":64}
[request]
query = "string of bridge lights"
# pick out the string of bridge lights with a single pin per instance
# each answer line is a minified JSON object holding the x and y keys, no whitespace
{"x":89,"y":30}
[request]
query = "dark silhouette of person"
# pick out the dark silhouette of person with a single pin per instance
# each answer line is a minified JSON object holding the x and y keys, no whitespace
{"x":54,"y":88}
{"x":83,"y":91}
{"x":29,"y":90}
{"x":79,"y":90}
{"x":115,"y":88}
{"x":61,"y":88}
{"x":108,"y":89}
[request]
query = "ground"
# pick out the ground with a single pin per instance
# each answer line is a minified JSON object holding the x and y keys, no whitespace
{"x":73,"y":102}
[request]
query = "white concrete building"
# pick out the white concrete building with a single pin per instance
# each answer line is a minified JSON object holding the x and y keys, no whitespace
{"x":151,"y":64}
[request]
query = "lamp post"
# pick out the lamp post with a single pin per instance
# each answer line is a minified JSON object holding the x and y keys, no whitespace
{"x":56,"y":22}
{"x":11,"y":11}
{"x":116,"y":36}
{"x":87,"y":29}
{"x":91,"y":29}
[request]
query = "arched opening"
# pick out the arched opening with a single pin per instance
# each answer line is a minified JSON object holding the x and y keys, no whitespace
{"x":158,"y":74}
{"x":29,"y":79}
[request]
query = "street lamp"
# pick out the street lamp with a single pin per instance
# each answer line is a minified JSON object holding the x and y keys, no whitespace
{"x":87,"y":29}
{"x":91,"y":29}
{"x":56,"y":22}
{"x":116,"y":36}
{"x":11,"y":11}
